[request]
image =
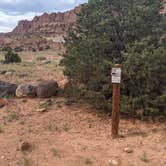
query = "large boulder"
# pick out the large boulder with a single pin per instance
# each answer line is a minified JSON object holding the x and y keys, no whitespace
{"x":7,"y":89}
{"x":26,"y":90}
{"x":46,"y":89}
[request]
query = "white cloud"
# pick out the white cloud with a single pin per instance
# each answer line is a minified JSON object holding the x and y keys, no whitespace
{"x":8,"y":22}
{"x":21,"y":6}
{"x":4,"y":29}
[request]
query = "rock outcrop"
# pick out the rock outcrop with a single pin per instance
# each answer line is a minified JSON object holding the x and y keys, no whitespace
{"x":46,"y":89}
{"x":7,"y":89}
{"x":43,"y":32}
{"x":26,"y":90}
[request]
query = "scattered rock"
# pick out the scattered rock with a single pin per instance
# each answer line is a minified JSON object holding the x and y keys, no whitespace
{"x":128,"y":150}
{"x":114,"y":162}
{"x":7,"y":89}
{"x":63,"y":83}
{"x":3,"y":72}
{"x":8,"y":73}
{"x":26,"y":90}
{"x":46,"y":89}
{"x":12,"y":70}
{"x":48,"y":102}
{"x":2,"y":157}
{"x":46,"y":62}
{"x":25,"y":146}
{"x":24,"y":100}
{"x":22,"y":75}
{"x":42,"y":110}
{"x":3,"y":102}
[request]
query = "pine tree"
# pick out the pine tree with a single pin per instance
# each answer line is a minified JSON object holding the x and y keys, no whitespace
{"x":105,"y":30}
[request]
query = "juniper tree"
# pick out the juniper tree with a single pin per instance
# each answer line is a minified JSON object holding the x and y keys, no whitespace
{"x":105,"y":30}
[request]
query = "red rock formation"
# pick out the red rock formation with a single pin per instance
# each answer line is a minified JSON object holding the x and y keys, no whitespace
{"x":43,"y":31}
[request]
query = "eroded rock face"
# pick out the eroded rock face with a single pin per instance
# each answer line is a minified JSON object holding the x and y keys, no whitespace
{"x":47,"y":30}
{"x":26,"y":90}
{"x":46,"y":89}
{"x":7,"y":89}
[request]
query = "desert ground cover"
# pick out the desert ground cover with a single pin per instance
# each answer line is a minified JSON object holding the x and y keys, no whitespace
{"x":69,"y":135}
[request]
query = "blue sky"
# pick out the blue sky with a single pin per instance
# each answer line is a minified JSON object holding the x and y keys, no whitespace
{"x":11,"y":11}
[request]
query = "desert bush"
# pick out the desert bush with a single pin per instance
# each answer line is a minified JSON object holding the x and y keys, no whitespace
{"x":126,"y":32}
{"x":11,"y":57}
{"x":47,"y":47}
{"x":41,"y":49}
{"x":18,"y":49}
{"x":145,"y":78}
{"x":41,"y":58}
{"x":6,"y":49}
{"x":33,"y":50}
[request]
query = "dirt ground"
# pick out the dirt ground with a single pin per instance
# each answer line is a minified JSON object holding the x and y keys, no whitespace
{"x":66,"y":135}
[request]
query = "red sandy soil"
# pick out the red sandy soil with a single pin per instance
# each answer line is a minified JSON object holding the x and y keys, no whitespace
{"x":76,"y":136}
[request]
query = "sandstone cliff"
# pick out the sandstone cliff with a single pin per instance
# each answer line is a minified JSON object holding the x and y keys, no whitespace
{"x":45,"y":31}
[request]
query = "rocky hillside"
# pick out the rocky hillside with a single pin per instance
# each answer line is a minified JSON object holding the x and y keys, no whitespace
{"x":43,"y":32}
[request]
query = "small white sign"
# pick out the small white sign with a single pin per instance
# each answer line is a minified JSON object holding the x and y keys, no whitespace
{"x":116,"y":75}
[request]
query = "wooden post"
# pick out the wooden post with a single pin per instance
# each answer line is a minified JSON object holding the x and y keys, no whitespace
{"x":116,"y":79}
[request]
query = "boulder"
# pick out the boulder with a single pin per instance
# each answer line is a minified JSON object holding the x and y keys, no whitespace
{"x":3,"y":102}
{"x":46,"y":89}
{"x":7,"y":89}
{"x":26,"y":90}
{"x":128,"y":150}
{"x":2,"y":72}
{"x":25,"y":146}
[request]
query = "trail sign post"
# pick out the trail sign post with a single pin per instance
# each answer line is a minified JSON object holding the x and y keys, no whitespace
{"x":116,"y":80}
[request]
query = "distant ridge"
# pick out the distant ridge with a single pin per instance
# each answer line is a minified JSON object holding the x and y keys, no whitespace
{"x":43,"y":32}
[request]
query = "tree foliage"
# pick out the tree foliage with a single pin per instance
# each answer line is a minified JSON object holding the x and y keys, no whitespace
{"x":11,"y":57}
{"x":129,"y":32}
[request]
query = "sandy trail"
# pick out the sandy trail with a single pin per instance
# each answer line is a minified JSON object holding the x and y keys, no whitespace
{"x":76,"y":136}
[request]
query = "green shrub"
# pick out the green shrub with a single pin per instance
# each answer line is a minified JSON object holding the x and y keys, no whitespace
{"x":41,"y":49}
{"x":6,"y":49}
{"x":47,"y":47}
{"x":33,"y":50}
{"x":41,"y":58}
{"x":11,"y":57}
{"x":18,"y":49}
{"x":145,"y":78}
{"x":130,"y":33}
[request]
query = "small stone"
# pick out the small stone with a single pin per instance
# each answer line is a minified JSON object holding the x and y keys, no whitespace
{"x":3,"y":102}
{"x":25,"y":146}
{"x":22,"y":75}
{"x":8,"y":73}
{"x":2,"y":72}
{"x":46,"y":62}
{"x":121,"y":140}
{"x":128,"y":150}
{"x":2,"y":157}
{"x":42,"y":110}
{"x":114,"y":162}
{"x":24,"y":100}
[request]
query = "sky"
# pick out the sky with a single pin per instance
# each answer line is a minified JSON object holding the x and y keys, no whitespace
{"x":11,"y":11}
